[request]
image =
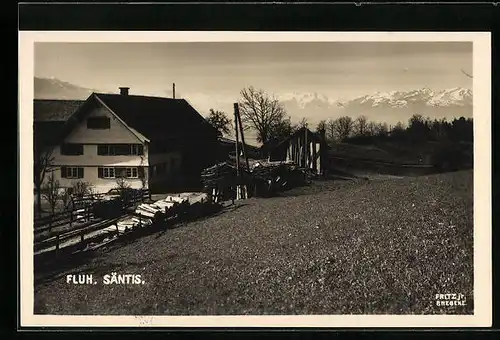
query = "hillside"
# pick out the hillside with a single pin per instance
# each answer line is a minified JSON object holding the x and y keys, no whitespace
{"x":362,"y":247}
{"x":388,"y":157}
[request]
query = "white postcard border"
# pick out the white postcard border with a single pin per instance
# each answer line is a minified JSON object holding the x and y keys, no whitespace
{"x":482,"y":316}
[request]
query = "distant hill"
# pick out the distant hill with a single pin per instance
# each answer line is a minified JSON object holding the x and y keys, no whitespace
{"x":51,"y":88}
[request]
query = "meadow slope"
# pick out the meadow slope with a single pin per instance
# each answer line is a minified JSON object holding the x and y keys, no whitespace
{"x":380,"y":246}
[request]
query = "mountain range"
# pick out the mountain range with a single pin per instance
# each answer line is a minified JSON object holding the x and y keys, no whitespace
{"x":53,"y":88}
{"x":389,"y":107}
{"x":383,"y":106}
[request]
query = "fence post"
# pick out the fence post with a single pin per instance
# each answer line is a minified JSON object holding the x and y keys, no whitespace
{"x":81,"y":236}
{"x":57,"y":241}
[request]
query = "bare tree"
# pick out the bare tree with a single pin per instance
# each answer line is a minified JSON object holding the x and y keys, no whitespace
{"x":283,"y":129}
{"x":343,"y":127}
{"x":122,"y":183}
{"x":50,"y":191}
{"x":220,"y":121}
{"x":66,"y":198}
{"x":321,"y":125}
{"x":330,"y":130}
{"x":79,"y":189}
{"x":371,"y":129}
{"x":302,"y":123}
{"x":43,"y":163}
{"x":361,"y":126}
{"x":382,"y":129}
{"x":261,"y":112}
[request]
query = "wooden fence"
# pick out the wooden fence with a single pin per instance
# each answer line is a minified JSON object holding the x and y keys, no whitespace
{"x":79,"y":234}
{"x":82,"y":211}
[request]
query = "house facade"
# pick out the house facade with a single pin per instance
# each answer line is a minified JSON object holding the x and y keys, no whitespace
{"x":146,"y":141}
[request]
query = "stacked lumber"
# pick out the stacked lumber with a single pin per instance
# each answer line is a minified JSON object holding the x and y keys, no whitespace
{"x":149,"y":211}
{"x":195,"y":197}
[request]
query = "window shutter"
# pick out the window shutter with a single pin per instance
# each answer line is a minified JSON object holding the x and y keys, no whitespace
{"x":80,"y":172}
{"x":140,"y":150}
{"x":63,"y":172}
{"x":102,"y":150}
{"x":99,"y":173}
{"x":140,"y":172}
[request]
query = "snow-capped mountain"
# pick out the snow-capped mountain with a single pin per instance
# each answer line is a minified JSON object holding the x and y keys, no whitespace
{"x":396,"y":99}
{"x":306,"y":99}
{"x":390,"y":106}
{"x":52,"y":88}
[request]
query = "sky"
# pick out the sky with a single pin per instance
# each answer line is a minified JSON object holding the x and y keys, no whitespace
{"x":337,"y":69}
{"x":211,"y":74}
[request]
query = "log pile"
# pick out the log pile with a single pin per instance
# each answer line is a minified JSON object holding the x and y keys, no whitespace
{"x":218,"y":175}
{"x":266,"y":178}
{"x":184,"y":205}
{"x":181,"y":205}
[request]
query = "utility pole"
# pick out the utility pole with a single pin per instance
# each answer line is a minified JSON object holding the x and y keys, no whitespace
{"x":243,"y":146}
{"x":237,"y":141}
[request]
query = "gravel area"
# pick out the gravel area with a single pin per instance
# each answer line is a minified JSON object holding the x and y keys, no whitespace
{"x":382,"y":246}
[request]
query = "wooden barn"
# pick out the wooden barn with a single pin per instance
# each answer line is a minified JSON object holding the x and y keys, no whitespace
{"x":305,"y":148}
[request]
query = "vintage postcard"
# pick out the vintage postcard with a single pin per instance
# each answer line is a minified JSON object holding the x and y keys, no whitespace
{"x":239,"y":179}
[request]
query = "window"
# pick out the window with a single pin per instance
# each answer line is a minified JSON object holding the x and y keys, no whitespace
{"x":99,"y":123}
{"x":70,"y":149}
{"x":117,"y":172}
{"x":120,"y":149}
{"x":71,"y":172}
{"x":106,"y":172}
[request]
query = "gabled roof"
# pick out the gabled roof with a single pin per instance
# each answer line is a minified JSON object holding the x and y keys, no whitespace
{"x":229,"y":143}
{"x":274,"y":143}
{"x":151,"y":118}
{"x":48,"y":110}
{"x":155,"y":117}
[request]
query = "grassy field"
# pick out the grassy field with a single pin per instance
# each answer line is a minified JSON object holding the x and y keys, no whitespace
{"x":380,"y":246}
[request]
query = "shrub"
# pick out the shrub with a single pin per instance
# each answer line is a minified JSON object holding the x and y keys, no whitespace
{"x":80,"y":189}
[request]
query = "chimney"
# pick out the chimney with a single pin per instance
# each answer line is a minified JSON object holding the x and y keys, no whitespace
{"x":124,"y":91}
{"x":173,"y":90}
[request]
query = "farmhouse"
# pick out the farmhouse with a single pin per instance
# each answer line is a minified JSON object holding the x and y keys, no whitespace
{"x":152,"y":142}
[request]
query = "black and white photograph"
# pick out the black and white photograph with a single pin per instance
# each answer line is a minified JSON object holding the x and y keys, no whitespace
{"x":338,"y":179}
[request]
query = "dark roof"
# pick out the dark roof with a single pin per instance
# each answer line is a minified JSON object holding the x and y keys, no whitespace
{"x":161,"y":120}
{"x":156,"y":117}
{"x":275,"y":143}
{"x":48,"y":110}
{"x":231,"y":142}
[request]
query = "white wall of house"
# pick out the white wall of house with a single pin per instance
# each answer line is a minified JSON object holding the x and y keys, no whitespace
{"x":118,"y":133}
{"x":100,"y":185}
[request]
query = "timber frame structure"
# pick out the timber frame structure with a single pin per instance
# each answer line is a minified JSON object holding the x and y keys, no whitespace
{"x":304,"y":148}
